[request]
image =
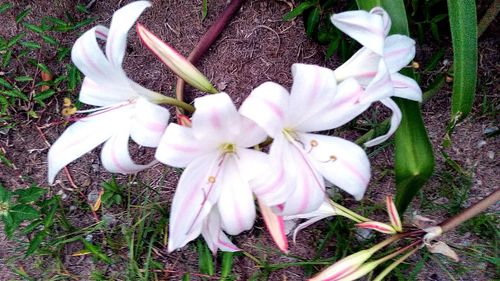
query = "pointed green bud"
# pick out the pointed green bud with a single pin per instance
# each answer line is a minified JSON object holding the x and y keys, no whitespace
{"x":175,"y":61}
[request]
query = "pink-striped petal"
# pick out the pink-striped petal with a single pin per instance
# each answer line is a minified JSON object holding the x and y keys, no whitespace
{"x":313,"y":86}
{"x":362,"y":66}
{"x":122,"y":21}
{"x":341,"y":162}
{"x":148,"y":123}
{"x":380,"y":87}
{"x":405,"y":87}
{"x":236,"y":205}
{"x":324,"y":211}
{"x":377,"y":226}
{"x":178,"y":147}
{"x":275,"y":225}
{"x":83,"y":136}
{"x":342,"y":108}
{"x":309,"y":191}
{"x":196,"y":194}
{"x":366,"y":28}
{"x":392,"y":211}
{"x":267,"y":105}
{"x":399,"y":50}
{"x":214,"y":236}
{"x":104,"y":93}
{"x":395,"y":120}
{"x":115,"y":156}
{"x":251,"y":134}
{"x":90,"y":60}
{"x":216,"y":119}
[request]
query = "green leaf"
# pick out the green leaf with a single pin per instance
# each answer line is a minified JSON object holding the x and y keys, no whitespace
{"x":227,"y":265}
{"x":32,"y":27}
{"x":49,"y":219}
{"x":35,"y":243}
{"x":15,"y":93}
{"x":14,"y":39}
{"x":5,"y":194}
{"x":205,"y":258}
{"x":73,"y":77}
{"x":23,"y":212}
{"x":297,"y":11}
{"x":96,"y":251}
{"x":22,"y":15}
{"x":44,"y":95}
{"x":414,"y":159}
{"x":31,"y":227}
{"x":5,"y":84}
{"x":5,"y":6}
{"x":9,"y":224}
{"x":204,"y":9}
{"x":312,"y":21}
{"x":49,"y":39}
{"x":43,"y":67}
{"x":23,"y":79}
{"x":30,"y":194}
{"x":62,"y":53}
{"x":463,"y":25}
{"x":31,"y":45}
{"x":6,"y":58}
{"x":83,"y":23}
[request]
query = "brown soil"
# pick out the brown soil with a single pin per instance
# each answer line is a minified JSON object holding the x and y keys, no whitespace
{"x":257,"y":46}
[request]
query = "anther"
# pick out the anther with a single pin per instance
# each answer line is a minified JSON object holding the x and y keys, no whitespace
{"x":333,"y":158}
{"x":211,"y":179}
{"x":314,"y":143}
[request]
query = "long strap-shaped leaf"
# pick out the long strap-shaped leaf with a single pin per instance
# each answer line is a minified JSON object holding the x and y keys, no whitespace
{"x":414,"y":159}
{"x":463,"y":25}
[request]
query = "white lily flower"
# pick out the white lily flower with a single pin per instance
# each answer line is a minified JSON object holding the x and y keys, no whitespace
{"x":219,"y":168}
{"x":375,"y":66}
{"x":126,"y":108}
{"x":301,"y":159}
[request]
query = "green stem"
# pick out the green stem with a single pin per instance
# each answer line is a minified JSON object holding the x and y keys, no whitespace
{"x":177,"y":103}
{"x":343,"y":211}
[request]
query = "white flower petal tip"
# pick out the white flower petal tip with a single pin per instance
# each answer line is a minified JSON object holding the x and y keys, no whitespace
{"x":396,"y":117}
{"x":377,"y":226}
{"x":343,"y":267}
{"x":276,"y":227}
{"x":392,"y":211}
{"x":175,"y":61}
{"x":369,"y":29}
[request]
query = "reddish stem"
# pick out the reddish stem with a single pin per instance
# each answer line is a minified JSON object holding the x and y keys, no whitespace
{"x":206,"y":41}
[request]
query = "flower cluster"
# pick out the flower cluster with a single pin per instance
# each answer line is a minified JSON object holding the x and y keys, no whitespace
{"x":225,"y":168}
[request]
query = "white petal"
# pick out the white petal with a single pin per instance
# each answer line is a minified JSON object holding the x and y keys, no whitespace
{"x":385,"y":18}
{"x":380,"y":87}
{"x":148,"y":123}
{"x":178,"y":147}
{"x":309,"y":190}
{"x":196,"y":193}
{"x":405,"y":87}
{"x":80,"y":138}
{"x":216,"y":119}
{"x":366,"y":28}
{"x":104,"y":93}
{"x":362,"y":66}
{"x":115,"y":156}
{"x":340,"y":109}
{"x":122,"y":21}
{"x":399,"y":50}
{"x":255,"y":168}
{"x":236,"y":205}
{"x":214,"y":236}
{"x":313,"y":86}
{"x":267,"y":105}
{"x":277,"y":182}
{"x":89,"y":58}
{"x":341,"y":162}
{"x":395,"y":120}
{"x":250,"y":133}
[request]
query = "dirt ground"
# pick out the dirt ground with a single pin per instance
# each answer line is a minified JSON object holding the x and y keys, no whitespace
{"x":257,"y":46}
